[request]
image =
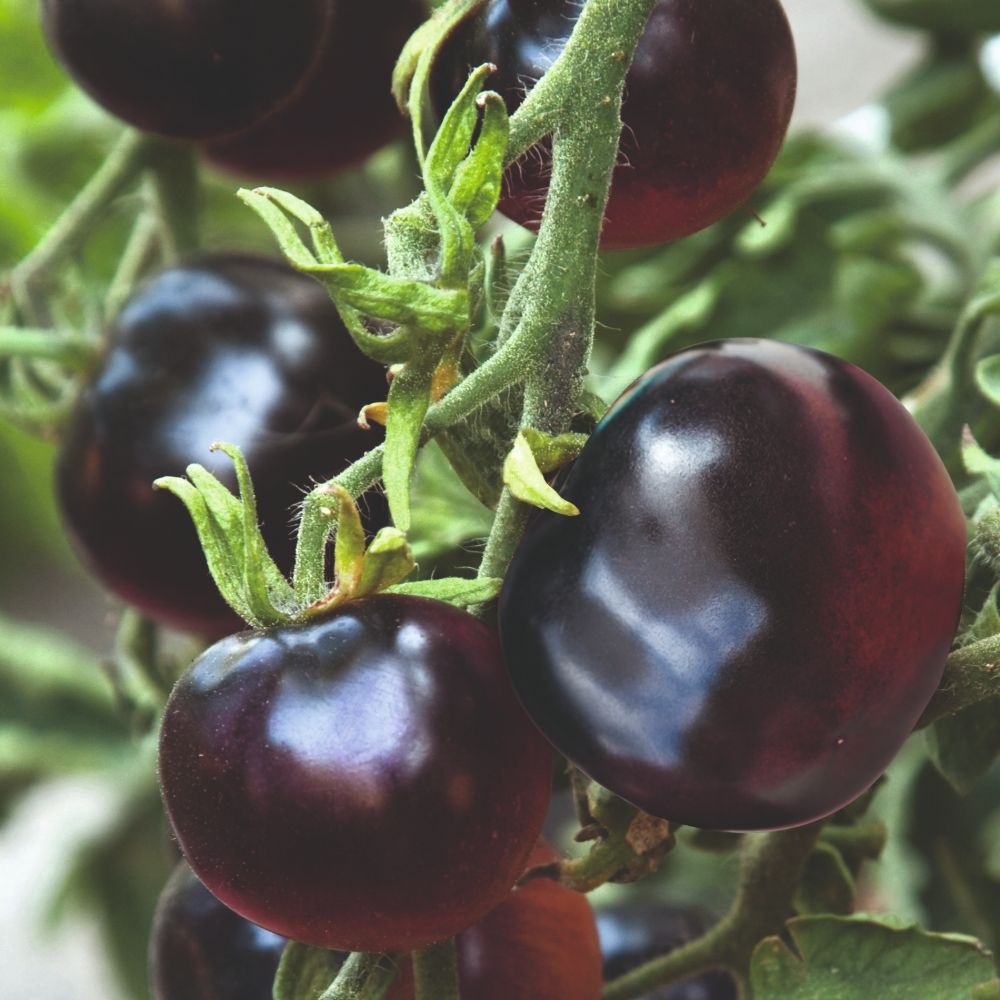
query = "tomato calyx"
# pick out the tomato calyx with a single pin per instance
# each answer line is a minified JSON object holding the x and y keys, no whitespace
{"x":249,"y":579}
{"x":627,"y":845}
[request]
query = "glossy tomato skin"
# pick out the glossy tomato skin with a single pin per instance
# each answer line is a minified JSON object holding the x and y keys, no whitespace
{"x":366,"y":782}
{"x":635,"y":934}
{"x":755,"y":604}
{"x":540,"y":942}
{"x":707,"y":102}
{"x":225,"y":348}
{"x":344,"y":113}
{"x":201,"y":950}
{"x":188,"y":69}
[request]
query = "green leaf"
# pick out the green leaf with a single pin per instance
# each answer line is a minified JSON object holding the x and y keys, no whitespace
{"x":452,"y":589}
{"x":860,"y":957}
{"x":827,"y":885}
{"x":445,"y":514}
{"x":304,"y":973}
{"x":988,"y":378}
{"x":965,"y":746}
{"x":978,"y":463}
{"x":524,"y":479}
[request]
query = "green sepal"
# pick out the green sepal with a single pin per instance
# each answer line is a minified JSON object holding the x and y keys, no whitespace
{"x":412,"y":72}
{"x":387,"y":561}
{"x":409,"y":400}
{"x":277,"y":208}
{"x":305,"y":973}
{"x":395,"y":300}
{"x":452,"y":589}
{"x":862,"y":956}
{"x":244,"y":572}
{"x":412,"y":243}
{"x":282,"y":228}
{"x":349,"y":548}
{"x":550,"y":452}
{"x":524,"y":478}
{"x":453,"y":139}
{"x":475,"y":190}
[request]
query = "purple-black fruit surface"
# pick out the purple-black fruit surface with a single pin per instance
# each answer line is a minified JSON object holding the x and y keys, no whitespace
{"x":633,"y":935}
{"x":201,"y":950}
{"x":226,"y":348}
{"x":346,"y":110}
{"x":363,"y":782}
{"x":756,"y":602}
{"x":707,"y":102}
{"x":189,"y":69}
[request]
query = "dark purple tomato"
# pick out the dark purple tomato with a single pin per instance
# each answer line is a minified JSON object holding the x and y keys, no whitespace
{"x":190,"y":69}
{"x":345,"y":112}
{"x":756,"y":602}
{"x":201,"y":950}
{"x":707,"y":102}
{"x":540,"y":942}
{"x":226,"y":348}
{"x":364,"y":782}
{"x":633,"y":935}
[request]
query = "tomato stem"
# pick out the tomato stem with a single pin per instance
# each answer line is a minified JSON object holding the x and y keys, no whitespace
{"x":364,"y":976}
{"x":771,"y":868}
{"x":122,"y":165}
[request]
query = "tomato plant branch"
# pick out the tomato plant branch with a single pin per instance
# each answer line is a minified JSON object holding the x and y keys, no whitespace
{"x":435,"y":972}
{"x":970,"y":676}
{"x":771,"y":867}
{"x":178,"y":197}
{"x":122,"y":165}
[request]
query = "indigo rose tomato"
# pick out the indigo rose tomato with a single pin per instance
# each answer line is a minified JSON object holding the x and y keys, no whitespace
{"x":188,"y":68}
{"x":755,"y":604}
{"x":345,"y":112}
{"x":238,"y":349}
{"x":540,"y":942}
{"x":201,"y":950}
{"x":707,"y":102}
{"x":364,"y":782}
{"x":633,"y":935}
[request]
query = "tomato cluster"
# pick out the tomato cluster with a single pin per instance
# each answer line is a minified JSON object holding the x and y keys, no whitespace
{"x":227,"y":348}
{"x":737,"y":632}
{"x":707,"y":101}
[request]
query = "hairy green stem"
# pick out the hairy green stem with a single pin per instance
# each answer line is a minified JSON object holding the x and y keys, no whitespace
{"x":364,"y":976}
{"x":435,"y":972}
{"x":772,"y":866}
